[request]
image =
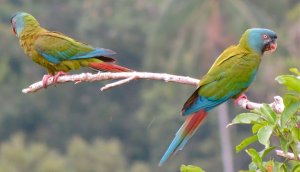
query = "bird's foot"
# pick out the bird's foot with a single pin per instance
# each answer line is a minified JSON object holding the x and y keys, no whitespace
{"x":56,"y":76}
{"x":240,"y":97}
{"x":45,"y":80}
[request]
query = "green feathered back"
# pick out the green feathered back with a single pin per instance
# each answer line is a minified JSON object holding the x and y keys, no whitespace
{"x":231,"y":74}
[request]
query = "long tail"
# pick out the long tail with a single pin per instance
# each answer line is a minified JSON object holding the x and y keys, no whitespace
{"x":110,"y":67}
{"x":186,"y":131}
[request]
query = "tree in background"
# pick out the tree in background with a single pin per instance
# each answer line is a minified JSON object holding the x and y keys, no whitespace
{"x":166,"y":36}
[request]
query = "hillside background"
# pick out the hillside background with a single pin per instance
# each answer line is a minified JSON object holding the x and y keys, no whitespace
{"x":76,"y":128}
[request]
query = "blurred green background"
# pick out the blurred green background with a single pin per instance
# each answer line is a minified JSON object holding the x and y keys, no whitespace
{"x":77,"y":128}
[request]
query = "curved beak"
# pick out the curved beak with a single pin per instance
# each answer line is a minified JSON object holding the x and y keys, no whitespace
{"x":270,"y":45}
{"x":13,"y":27}
{"x":13,"y":30}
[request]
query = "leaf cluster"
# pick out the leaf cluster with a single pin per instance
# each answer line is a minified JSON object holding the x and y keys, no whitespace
{"x":274,"y":131}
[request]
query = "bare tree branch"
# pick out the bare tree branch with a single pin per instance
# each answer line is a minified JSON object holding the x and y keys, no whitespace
{"x":125,"y":77}
{"x":288,"y":155}
{"x":277,"y":105}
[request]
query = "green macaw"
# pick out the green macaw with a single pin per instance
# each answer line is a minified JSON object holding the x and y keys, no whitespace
{"x":230,"y":76}
{"x":57,"y":52}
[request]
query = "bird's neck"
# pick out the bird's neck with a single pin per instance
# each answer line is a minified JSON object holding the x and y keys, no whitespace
{"x":28,"y":37}
{"x":30,"y":30}
{"x":247,"y":47}
{"x":245,"y":43}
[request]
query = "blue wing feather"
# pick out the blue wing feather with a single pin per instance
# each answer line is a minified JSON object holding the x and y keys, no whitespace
{"x":50,"y":58}
{"x":63,"y":55}
{"x":202,"y":102}
{"x":97,"y":52}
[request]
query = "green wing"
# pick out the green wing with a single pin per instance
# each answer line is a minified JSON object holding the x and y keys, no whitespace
{"x":231,"y":74}
{"x":56,"y":47}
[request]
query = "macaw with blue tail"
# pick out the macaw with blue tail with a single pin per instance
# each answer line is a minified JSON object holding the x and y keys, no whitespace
{"x":229,"y":77}
{"x":57,"y":52}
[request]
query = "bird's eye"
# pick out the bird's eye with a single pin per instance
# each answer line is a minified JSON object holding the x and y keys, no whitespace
{"x":265,"y":36}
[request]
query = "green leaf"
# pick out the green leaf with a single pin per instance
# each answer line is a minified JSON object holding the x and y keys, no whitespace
{"x":296,"y":134}
{"x":190,"y":168}
{"x":295,"y":71}
{"x":265,"y":152}
{"x":252,"y":166}
{"x":294,"y":148}
{"x":257,"y":126}
{"x":256,"y":159}
{"x":247,"y":171}
{"x":290,"y":81}
{"x":279,"y":166}
{"x":288,"y":112}
{"x":268,"y":114}
{"x":296,"y":168}
{"x":291,"y":98}
{"x":245,"y":118}
{"x":264,"y":135}
{"x":284,"y":144}
{"x":244,"y":143}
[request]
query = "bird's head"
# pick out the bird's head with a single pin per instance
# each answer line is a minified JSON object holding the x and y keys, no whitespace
{"x":21,"y":20}
{"x":260,"y":40}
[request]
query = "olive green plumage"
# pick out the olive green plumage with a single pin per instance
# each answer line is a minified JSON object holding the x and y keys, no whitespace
{"x":56,"y":51}
{"x":230,"y":75}
{"x":234,"y":70}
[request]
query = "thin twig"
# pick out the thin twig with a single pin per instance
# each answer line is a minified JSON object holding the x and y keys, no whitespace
{"x":288,"y":155}
{"x":114,"y":84}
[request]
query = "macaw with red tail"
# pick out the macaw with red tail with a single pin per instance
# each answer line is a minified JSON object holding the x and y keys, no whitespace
{"x":230,"y":75}
{"x":57,"y":52}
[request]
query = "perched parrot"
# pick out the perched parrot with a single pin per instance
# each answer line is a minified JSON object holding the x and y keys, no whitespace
{"x":230,"y":75}
{"x":57,"y":52}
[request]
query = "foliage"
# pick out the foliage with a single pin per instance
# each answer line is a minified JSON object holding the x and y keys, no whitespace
{"x":190,"y":168}
{"x":18,"y":155}
{"x":274,"y":131}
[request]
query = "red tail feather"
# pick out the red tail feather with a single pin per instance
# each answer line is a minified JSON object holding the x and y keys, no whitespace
{"x":108,"y":67}
{"x":193,"y":122}
{"x":186,"y":131}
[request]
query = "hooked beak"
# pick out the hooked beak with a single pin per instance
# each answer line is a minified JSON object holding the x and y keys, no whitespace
{"x":13,"y":30}
{"x":13,"y":27}
{"x":270,"y":45}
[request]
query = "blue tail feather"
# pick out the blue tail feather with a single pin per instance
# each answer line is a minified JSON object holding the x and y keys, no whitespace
{"x":95,"y":53}
{"x":183,"y":135}
{"x":98,"y":52}
{"x":170,"y":150}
